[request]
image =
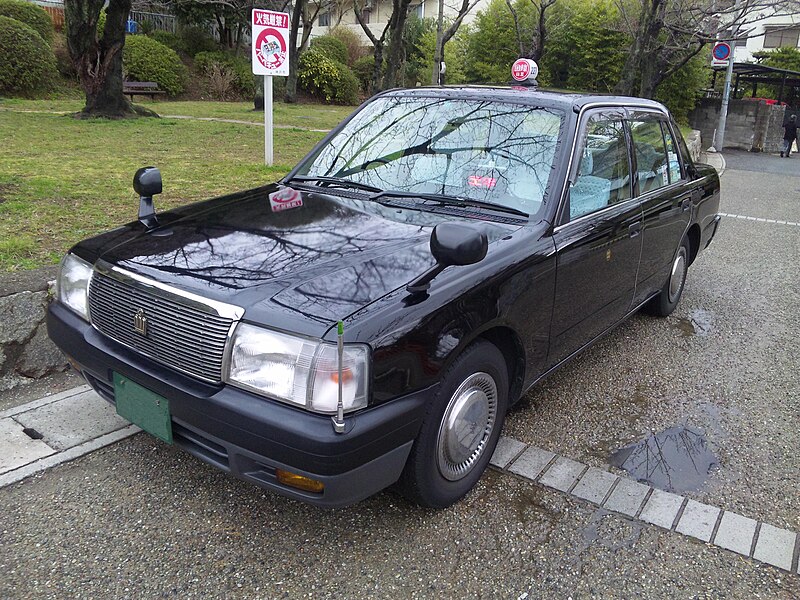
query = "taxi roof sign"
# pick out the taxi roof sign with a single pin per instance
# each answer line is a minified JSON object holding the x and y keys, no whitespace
{"x":524,"y":69}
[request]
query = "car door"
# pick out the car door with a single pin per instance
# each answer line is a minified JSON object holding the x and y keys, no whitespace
{"x":666,"y":198}
{"x":597,"y":237}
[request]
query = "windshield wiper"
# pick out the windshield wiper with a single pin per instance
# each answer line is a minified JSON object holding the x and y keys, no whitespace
{"x":335,"y":181}
{"x":449,"y":200}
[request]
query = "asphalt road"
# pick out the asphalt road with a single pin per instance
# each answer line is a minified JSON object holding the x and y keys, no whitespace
{"x":140,"y":519}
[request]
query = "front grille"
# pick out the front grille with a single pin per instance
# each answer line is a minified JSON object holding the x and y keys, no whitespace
{"x":183,"y":336}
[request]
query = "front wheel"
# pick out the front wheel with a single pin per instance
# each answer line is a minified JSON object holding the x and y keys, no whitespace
{"x":460,"y":430}
{"x":666,"y":301}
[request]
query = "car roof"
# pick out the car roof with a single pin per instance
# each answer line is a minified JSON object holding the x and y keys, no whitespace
{"x":528,"y":95}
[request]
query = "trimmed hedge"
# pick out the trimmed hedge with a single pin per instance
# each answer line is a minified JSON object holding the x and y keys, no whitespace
{"x":330,"y":47}
{"x":327,"y":79}
{"x":27,"y":63}
{"x":145,"y":59}
{"x":33,"y":16}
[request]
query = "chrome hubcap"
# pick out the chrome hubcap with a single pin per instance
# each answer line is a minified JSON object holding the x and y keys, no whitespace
{"x":678,"y":273}
{"x":467,"y":426}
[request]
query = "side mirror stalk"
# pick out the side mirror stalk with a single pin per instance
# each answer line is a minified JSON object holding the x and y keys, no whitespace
{"x":147,"y":183}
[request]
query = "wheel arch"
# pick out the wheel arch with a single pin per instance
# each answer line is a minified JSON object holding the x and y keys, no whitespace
{"x":508,"y":342}
{"x":694,"y":241}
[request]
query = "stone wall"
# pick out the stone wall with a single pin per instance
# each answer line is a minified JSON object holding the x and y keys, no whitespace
{"x":693,"y":143}
{"x":750,"y":125}
{"x":25,"y":350}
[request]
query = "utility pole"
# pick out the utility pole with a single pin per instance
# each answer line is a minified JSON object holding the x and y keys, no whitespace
{"x":719,"y":142}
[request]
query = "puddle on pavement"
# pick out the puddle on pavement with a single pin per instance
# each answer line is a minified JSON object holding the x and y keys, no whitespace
{"x":699,"y":322}
{"x":677,"y":459}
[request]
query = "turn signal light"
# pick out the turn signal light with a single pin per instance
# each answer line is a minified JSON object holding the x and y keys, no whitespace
{"x":299,"y":481}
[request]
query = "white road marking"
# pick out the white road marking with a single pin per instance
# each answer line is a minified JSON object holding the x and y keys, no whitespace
{"x":759,"y":219}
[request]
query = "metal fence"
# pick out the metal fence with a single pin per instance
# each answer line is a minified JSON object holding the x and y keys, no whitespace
{"x":155,"y":20}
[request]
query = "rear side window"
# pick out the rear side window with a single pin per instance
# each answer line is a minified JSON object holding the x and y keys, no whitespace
{"x":651,"y":154}
{"x":603,"y":176}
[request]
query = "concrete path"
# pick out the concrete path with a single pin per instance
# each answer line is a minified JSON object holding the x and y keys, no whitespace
{"x":55,"y":429}
{"x":59,"y":428}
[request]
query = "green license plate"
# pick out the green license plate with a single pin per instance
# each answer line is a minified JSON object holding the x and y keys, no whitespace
{"x":143,"y":408}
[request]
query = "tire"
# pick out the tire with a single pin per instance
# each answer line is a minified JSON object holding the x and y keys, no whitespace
{"x":474,"y":392}
{"x":669,"y":296}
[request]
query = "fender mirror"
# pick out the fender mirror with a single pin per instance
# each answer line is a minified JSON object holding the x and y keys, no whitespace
{"x":147,"y":183}
{"x":452,"y":244}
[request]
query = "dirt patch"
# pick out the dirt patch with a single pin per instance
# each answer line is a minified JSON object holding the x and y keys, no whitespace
{"x":6,"y":189}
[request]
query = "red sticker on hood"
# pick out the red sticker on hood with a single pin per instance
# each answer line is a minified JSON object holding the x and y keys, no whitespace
{"x":284,"y":199}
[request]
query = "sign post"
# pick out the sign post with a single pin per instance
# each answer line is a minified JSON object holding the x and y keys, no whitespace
{"x":270,"y":35}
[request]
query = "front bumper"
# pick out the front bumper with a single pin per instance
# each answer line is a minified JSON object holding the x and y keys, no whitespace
{"x":250,"y":436}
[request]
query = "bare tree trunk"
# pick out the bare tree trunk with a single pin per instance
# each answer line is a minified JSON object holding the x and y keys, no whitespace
{"x":291,"y":80}
{"x":99,"y":61}
{"x":643,"y":61}
{"x":396,"y":51}
{"x":377,"y":44}
{"x":438,"y":52}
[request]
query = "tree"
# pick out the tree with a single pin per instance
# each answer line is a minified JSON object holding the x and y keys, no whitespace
{"x":667,"y":34}
{"x":300,"y":13}
{"x":531,"y":39}
{"x":492,"y":45}
{"x":98,"y":56}
{"x":445,"y":35}
{"x":378,"y":43}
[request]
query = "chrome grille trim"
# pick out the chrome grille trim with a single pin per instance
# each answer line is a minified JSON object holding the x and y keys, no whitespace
{"x":186,"y":332}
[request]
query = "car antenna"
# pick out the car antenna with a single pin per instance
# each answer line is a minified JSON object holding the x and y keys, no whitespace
{"x":338,"y":420}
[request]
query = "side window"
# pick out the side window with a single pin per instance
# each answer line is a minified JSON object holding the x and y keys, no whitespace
{"x":673,"y":163}
{"x":603,"y":176}
{"x":651,"y":154}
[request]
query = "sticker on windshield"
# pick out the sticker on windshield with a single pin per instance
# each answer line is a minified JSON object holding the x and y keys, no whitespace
{"x":480,"y":181}
{"x":284,"y":199}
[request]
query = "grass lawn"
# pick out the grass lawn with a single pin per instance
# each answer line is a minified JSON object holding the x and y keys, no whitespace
{"x":307,"y":116}
{"x":62,"y":179}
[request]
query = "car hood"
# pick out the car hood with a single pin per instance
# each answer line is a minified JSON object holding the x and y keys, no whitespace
{"x":299,"y":269}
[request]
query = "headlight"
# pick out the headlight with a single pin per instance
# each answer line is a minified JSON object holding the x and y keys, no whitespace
{"x":297,"y":370}
{"x":73,"y":284}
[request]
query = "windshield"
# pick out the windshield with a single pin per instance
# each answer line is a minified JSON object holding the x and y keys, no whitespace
{"x":476,"y":149}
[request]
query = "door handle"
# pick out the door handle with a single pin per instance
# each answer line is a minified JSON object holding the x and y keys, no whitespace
{"x":686,"y":204}
{"x":635,"y":229}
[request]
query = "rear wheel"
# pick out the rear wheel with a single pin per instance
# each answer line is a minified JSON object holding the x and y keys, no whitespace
{"x":666,"y":301}
{"x":460,"y":430}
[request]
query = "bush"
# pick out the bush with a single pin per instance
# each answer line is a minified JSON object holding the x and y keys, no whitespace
{"x":352,"y":41}
{"x":220,"y":66}
{"x":27,"y":63}
{"x":63,"y":59}
{"x":330,"y":47}
{"x":362,"y":69}
{"x":33,"y":16}
{"x":325,"y":78}
{"x":195,"y":40}
{"x":169,"y":39}
{"x":145,"y":59}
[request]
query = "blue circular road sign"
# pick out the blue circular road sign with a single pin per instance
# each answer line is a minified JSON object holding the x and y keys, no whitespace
{"x":722,"y":51}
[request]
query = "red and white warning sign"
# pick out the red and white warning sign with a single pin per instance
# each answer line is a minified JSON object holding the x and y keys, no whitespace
{"x":270,"y":35}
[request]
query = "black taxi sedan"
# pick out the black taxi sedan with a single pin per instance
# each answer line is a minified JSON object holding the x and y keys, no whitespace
{"x":368,"y":320}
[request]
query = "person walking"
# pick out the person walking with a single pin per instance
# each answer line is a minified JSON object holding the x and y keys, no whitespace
{"x":789,"y":136}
